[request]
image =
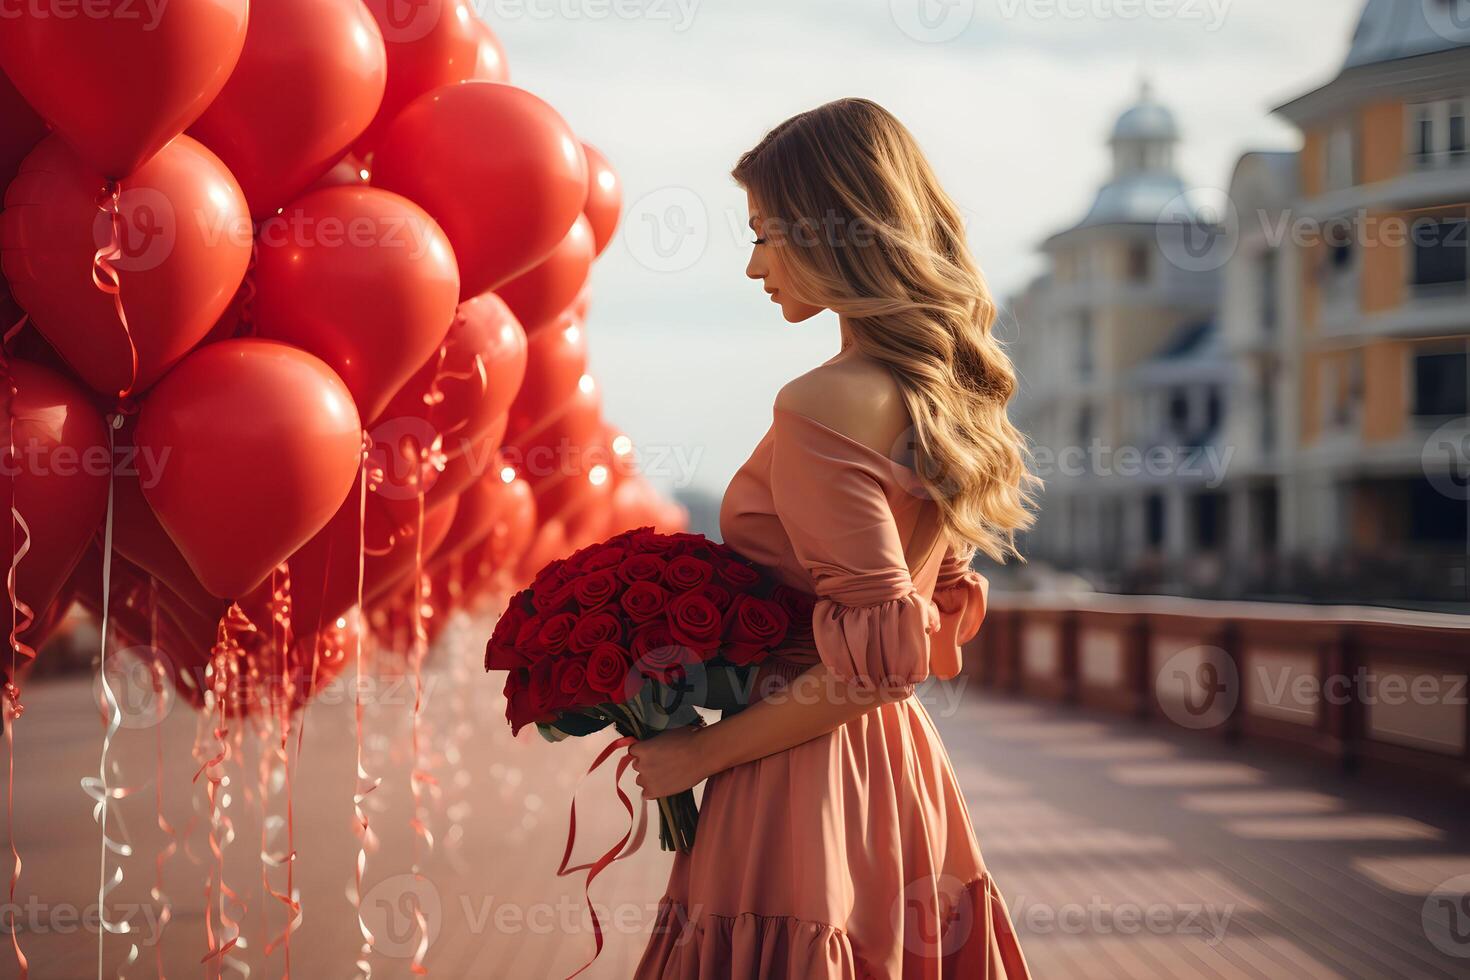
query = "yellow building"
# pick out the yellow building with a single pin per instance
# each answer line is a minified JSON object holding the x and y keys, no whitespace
{"x":1378,"y":490}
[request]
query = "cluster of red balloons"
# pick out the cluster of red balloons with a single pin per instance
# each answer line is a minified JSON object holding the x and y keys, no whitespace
{"x":305,"y":300}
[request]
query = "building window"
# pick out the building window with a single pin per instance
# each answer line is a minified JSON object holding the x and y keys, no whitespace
{"x":1153,"y":519}
{"x":1085,"y":362}
{"x":1214,"y":411}
{"x":1209,"y":509}
{"x":1341,"y":157}
{"x":1437,"y":136}
{"x":1139,"y":263}
{"x":1084,"y":426}
{"x":1342,"y":390}
{"x":1441,"y":255}
{"x":1178,"y":412}
{"x":1267,"y":283}
{"x":1268,"y":413}
{"x":1442,"y":384}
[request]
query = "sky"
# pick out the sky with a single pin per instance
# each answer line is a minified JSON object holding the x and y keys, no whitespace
{"x":1012,"y":100}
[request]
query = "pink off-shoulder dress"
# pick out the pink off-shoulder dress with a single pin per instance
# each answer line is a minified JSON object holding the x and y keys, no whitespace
{"x":851,"y":856}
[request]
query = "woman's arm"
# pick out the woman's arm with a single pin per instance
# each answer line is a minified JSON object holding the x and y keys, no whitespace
{"x":816,"y":702}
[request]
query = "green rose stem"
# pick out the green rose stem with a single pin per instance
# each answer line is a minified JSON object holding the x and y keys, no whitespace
{"x":678,"y":814}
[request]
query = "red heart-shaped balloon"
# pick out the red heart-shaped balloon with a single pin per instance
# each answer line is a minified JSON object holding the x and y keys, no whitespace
{"x":363,"y":279}
{"x":309,"y":81}
{"x":119,"y":81}
{"x":505,"y":201}
{"x":264,"y":443}
{"x":184,"y":235}
{"x":58,"y":475}
{"x":20,"y":130}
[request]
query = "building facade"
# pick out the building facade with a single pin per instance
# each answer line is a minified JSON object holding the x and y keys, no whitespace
{"x":1304,"y":363}
{"x":1381,"y":323}
{"x":1119,"y":391}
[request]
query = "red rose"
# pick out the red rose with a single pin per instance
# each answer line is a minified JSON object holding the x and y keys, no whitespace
{"x":528,"y":639}
{"x":641,"y":567}
{"x":594,"y":628}
{"x":644,"y":600}
{"x":607,"y":671}
{"x":603,"y":556}
{"x":596,"y":588}
{"x":717,"y":594}
{"x":555,"y":632}
{"x":695,"y":622}
{"x":657,"y":654}
{"x":518,"y":706}
{"x":686,"y":573}
{"x":644,"y":539}
{"x":571,"y":684}
{"x":541,"y":692}
{"x":552,"y":574}
{"x":737,"y":574}
{"x":753,"y":628}
{"x":500,"y":651}
{"x":799,"y":606}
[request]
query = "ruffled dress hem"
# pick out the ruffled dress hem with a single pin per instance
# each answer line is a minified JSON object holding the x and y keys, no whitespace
{"x":976,"y":942}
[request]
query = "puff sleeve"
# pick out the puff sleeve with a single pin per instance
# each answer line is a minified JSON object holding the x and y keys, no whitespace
{"x":870,"y":624}
{"x":961,"y":594}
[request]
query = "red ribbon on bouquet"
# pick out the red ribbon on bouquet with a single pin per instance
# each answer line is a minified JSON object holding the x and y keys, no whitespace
{"x":637,"y":827}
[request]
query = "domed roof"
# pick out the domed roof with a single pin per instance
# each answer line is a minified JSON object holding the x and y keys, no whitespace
{"x":1144,"y":199}
{"x":1391,"y":29}
{"x":1147,"y":120}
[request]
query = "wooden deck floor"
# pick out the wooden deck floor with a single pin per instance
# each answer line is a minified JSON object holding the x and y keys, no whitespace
{"x":1121,"y":851}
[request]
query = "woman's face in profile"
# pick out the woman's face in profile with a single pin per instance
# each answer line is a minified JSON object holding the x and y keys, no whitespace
{"x":766,"y":266}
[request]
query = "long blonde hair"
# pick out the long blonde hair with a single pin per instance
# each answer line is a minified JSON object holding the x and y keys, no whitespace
{"x":884,"y":246}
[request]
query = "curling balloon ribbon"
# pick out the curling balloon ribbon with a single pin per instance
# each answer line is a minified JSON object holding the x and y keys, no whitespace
{"x":637,"y":823}
{"x":160,"y":693}
{"x":365,"y":837}
{"x":275,"y":767}
{"x":104,"y":273}
{"x":222,"y":672}
{"x":418,"y":774}
{"x":21,"y":618}
{"x":98,"y":787}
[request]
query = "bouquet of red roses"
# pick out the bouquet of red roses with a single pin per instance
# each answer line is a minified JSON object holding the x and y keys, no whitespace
{"x":637,"y":632}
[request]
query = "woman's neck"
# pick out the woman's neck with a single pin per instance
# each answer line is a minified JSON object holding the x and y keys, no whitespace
{"x":845,"y":334}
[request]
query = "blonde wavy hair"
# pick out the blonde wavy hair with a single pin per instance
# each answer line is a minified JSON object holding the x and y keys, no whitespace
{"x":881,"y":243}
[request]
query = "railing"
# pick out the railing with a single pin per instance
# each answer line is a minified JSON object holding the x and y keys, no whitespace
{"x":1361,"y":688}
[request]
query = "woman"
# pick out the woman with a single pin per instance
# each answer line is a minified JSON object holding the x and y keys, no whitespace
{"x":833,"y":839}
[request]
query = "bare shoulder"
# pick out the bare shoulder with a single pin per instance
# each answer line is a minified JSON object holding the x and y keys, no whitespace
{"x":855,"y":396}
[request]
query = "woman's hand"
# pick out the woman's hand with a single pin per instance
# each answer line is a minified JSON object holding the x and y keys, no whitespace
{"x":669,"y":763}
